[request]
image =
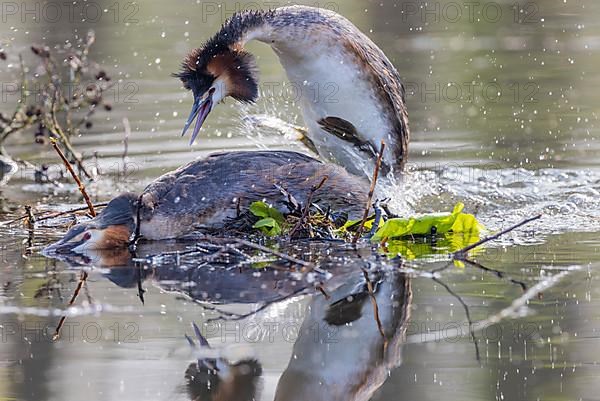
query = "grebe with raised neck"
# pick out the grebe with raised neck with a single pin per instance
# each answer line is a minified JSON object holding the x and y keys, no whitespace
{"x":316,"y":47}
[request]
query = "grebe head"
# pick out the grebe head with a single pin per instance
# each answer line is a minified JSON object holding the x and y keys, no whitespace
{"x":214,"y":72}
{"x":110,"y":229}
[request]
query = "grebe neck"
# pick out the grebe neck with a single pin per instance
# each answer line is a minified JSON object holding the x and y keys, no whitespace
{"x":351,"y":96}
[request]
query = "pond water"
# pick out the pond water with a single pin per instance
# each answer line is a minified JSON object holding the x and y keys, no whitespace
{"x":502,"y":100}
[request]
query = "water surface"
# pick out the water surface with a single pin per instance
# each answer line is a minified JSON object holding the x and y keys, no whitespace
{"x":503,"y":117}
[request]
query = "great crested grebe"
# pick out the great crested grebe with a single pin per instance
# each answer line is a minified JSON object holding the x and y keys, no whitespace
{"x":209,"y":192}
{"x":316,"y":48}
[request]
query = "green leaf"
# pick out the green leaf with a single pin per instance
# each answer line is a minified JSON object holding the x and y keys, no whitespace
{"x":467,"y":223}
{"x":261,"y":209}
{"x":268,"y":226}
{"x":435,"y":223}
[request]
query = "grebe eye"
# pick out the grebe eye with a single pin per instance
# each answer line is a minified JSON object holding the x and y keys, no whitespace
{"x":87,"y":236}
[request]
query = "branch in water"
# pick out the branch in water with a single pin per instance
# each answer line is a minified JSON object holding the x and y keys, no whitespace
{"x":462,"y":254}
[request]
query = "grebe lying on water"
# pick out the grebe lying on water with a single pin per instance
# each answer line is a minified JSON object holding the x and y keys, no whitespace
{"x":315,"y":46}
{"x":318,"y":49}
{"x":207,"y":193}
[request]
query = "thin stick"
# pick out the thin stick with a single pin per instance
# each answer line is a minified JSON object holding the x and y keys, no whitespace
{"x":258,"y":247}
{"x":281,"y":255}
{"x":75,"y":177}
{"x":498,"y":273}
{"x":53,"y":215}
{"x":371,"y":192}
{"x":56,"y":129}
{"x":304,"y":216}
{"x":30,"y":217}
{"x":234,"y":317}
{"x":83,"y":278}
{"x":462,"y":254}
{"x":79,"y":209}
{"x":141,"y":290}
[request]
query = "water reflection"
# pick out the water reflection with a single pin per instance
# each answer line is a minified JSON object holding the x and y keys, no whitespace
{"x":346,"y":346}
{"x":211,"y":273}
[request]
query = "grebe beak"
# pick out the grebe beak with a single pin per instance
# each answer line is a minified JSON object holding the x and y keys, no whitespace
{"x":200,"y":110}
{"x":75,"y":240}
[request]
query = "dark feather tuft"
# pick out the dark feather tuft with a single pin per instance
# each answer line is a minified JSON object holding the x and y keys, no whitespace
{"x":193,"y":71}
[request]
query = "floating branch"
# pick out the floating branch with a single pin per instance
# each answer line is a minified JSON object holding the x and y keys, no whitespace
{"x":258,"y":247}
{"x":75,"y":177}
{"x":498,"y":273}
{"x":462,"y":254}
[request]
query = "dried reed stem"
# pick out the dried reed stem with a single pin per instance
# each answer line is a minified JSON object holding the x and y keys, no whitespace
{"x":89,"y":203}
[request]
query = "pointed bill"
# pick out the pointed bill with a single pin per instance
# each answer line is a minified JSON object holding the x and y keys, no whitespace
{"x":200,"y":111}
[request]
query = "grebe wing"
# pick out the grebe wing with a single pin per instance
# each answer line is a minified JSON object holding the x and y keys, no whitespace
{"x":390,"y":91}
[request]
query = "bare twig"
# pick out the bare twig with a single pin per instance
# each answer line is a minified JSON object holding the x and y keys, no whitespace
{"x":30,"y":217}
{"x":53,"y":125}
{"x":498,"y":273}
{"x":370,"y":196}
{"x":249,"y":244}
{"x":306,"y":210}
{"x":79,"y":209}
{"x":53,"y":215}
{"x":462,"y":254}
{"x":140,"y":288}
{"x":82,"y":279}
{"x":75,"y":177}
{"x":15,"y":122}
